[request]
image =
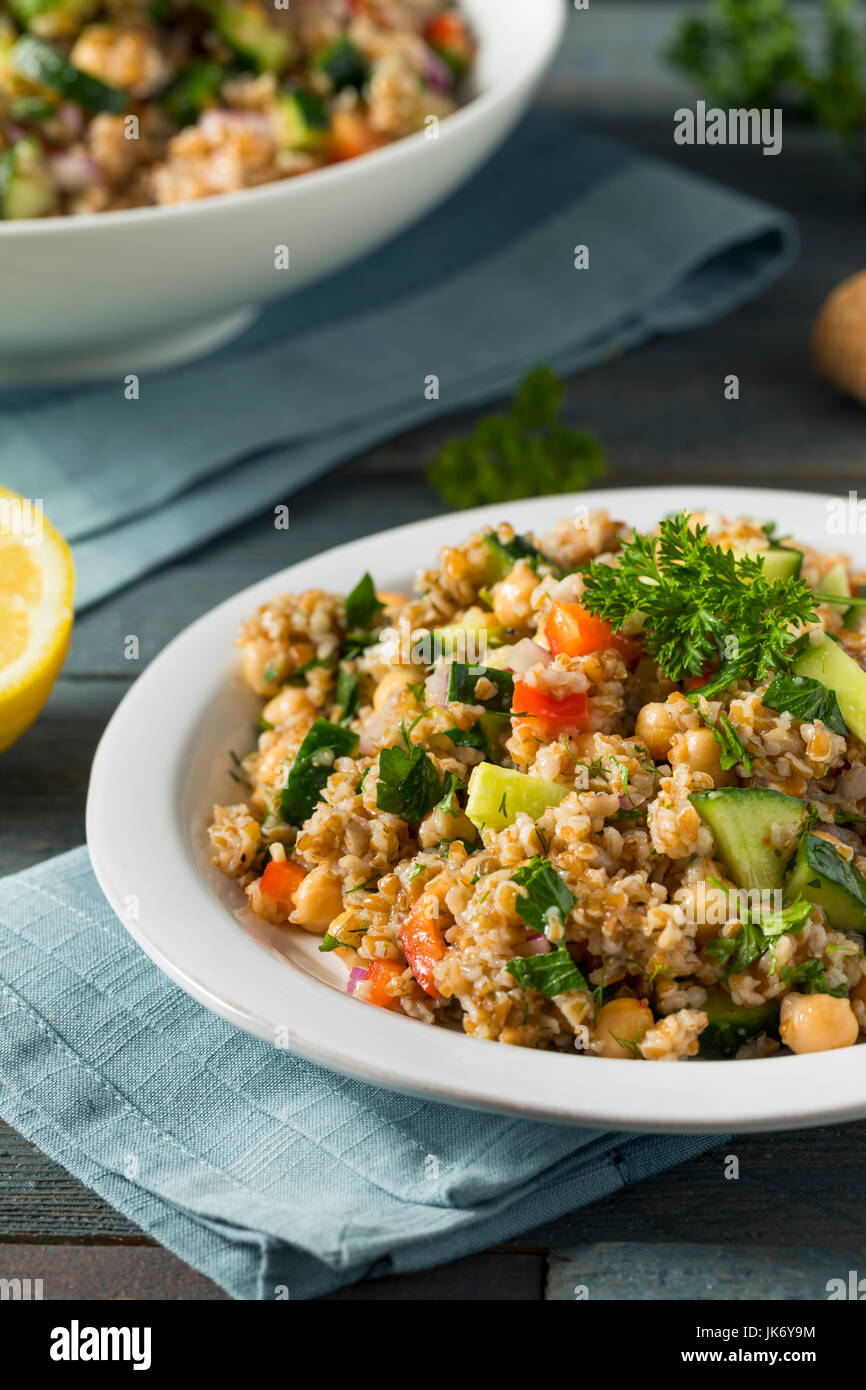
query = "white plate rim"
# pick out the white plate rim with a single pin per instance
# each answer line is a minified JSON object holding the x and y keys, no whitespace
{"x":140,"y":760}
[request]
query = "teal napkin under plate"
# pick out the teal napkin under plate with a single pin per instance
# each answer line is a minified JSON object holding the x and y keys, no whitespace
{"x":476,"y":294}
{"x":272,"y":1176}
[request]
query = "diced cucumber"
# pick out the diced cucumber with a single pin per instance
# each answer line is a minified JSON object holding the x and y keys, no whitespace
{"x":53,"y":19}
{"x":303,"y":118}
{"x":496,"y":728}
{"x":246,"y":30}
{"x":343,"y":63}
{"x":831,"y":665}
{"x":742,"y":821}
{"x":835,"y":581}
{"x":46,"y":66}
{"x":852,"y":617}
{"x":26,"y":188}
{"x":504,"y":555}
{"x":780,"y":562}
{"x":462,"y":639}
{"x":193,"y":90}
{"x":498,"y":794}
{"x":463,"y":679}
{"x":730,"y":1024}
{"x":821,"y":874}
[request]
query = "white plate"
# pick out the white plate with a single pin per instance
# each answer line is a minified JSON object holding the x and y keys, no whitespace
{"x":72,"y":308}
{"x":165,"y":758}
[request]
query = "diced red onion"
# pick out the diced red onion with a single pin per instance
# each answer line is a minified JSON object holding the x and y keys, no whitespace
{"x":436,"y":685}
{"x":853,"y":784}
{"x":524,"y":654}
{"x":70,"y":118}
{"x":537,"y":945}
{"x":356,"y":975}
{"x":437,"y":72}
{"x":74,"y":171}
{"x":844,"y":834}
{"x":624,"y":803}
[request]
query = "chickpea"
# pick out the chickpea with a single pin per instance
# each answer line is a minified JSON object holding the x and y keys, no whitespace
{"x":817,"y":1023}
{"x":318,"y":900}
{"x":628,"y":1019}
{"x":395,"y":679}
{"x":699,"y":750}
{"x":511,"y":596}
{"x":287,"y":704}
{"x":655,"y":727}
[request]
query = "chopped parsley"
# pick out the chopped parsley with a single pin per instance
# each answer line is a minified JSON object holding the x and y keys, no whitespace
{"x":463,"y":680}
{"x":330,"y":943}
{"x":449,"y":801}
{"x":729,"y":742}
{"x":546,"y":900}
{"x":702,"y":605}
{"x":504,"y":555}
{"x":312,"y":767}
{"x":810,"y":978}
{"x":348,"y":692}
{"x":807,"y":700}
{"x":269,"y":675}
{"x":736,"y":953}
{"x":555,"y":973}
{"x":362,"y":606}
{"x":409,"y":785}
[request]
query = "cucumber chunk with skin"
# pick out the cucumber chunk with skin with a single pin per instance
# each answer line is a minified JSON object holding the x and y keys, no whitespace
{"x":730,"y":1025}
{"x":821,"y":874}
{"x":835,"y":581}
{"x":343,"y":64}
{"x":303,"y":119}
{"x":779,"y":561}
{"x":498,"y":794}
{"x":195,"y":89}
{"x":26,"y":188}
{"x":828,"y":663}
{"x":745,"y":822}
{"x":46,"y":66}
{"x":246,"y":30}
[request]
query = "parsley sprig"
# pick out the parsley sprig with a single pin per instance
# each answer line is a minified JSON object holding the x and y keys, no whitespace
{"x":526,"y":453}
{"x":702,"y":605}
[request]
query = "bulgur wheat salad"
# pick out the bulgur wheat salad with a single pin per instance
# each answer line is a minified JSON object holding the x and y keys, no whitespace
{"x":108,"y":104}
{"x":593,"y":790}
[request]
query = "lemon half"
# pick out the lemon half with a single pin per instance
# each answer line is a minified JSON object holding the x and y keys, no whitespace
{"x":37,"y":587}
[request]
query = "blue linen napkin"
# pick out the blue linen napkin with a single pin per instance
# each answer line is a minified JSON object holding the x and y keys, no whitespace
{"x":272,"y":1176}
{"x":479,"y":292}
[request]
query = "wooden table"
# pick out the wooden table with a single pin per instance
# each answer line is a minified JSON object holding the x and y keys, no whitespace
{"x":663,"y":416}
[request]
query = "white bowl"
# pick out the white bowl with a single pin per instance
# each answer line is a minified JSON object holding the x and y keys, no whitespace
{"x":121,"y":291}
{"x":165,"y":757}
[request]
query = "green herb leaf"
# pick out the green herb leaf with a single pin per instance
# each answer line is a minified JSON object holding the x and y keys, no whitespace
{"x":463,"y":680}
{"x":408,"y":785}
{"x":810,"y":977}
{"x":348,"y":688}
{"x":362,"y":606}
{"x":525,"y":453}
{"x":737,"y":953}
{"x":702,"y":605}
{"x":728,"y":740}
{"x":330,"y":943}
{"x":807,"y":700}
{"x":546,"y":900}
{"x":449,"y":802}
{"x":555,"y":973}
{"x":312,"y":767}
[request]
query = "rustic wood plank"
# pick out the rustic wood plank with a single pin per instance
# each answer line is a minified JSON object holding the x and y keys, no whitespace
{"x":103,"y":1272}
{"x":495,"y":1275}
{"x":633,"y":1270}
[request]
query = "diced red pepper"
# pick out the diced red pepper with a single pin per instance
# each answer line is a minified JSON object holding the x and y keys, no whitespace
{"x":571,"y":630}
{"x":543,"y":714}
{"x":422,"y":940}
{"x":351,"y":135}
{"x":280,"y":881}
{"x":448,"y":36}
{"x":372,"y":988}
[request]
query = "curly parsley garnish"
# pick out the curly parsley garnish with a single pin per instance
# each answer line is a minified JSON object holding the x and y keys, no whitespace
{"x":702,"y":605}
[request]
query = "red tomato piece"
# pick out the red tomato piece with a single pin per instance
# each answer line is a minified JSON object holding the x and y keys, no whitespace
{"x":422,"y":940}
{"x":379,"y":974}
{"x":280,"y":881}
{"x":544,"y":714}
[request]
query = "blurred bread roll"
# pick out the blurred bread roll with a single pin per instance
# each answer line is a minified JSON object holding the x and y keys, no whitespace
{"x":839,"y":337}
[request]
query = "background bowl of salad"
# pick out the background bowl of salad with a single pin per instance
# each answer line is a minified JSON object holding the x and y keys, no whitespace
{"x":165,"y":167}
